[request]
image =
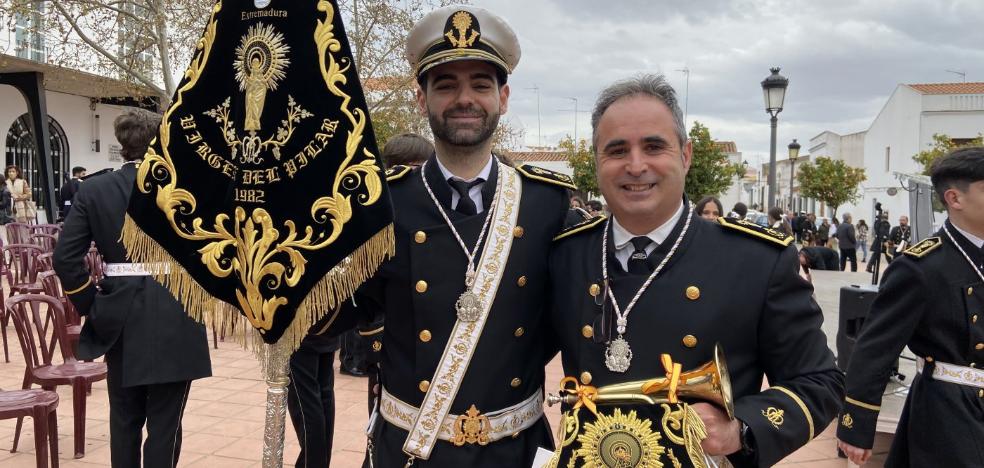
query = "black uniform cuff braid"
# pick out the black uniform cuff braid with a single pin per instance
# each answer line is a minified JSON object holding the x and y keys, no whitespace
{"x":777,"y":423}
{"x":856,"y":425}
{"x":372,"y":340}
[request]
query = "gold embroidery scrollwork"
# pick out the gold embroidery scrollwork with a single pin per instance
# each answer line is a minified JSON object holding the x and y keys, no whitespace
{"x":256,"y":241}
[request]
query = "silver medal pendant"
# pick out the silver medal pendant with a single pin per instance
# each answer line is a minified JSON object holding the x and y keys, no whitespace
{"x":469,"y":306}
{"x":618,"y":355}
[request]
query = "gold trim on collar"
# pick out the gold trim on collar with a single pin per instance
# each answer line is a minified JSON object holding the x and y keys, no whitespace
{"x":924,"y":247}
{"x":80,"y":288}
{"x":397,"y":172}
{"x":753,"y":229}
{"x":546,"y":175}
{"x":582,"y":226}
{"x":862,"y":404}
{"x":806,"y":411}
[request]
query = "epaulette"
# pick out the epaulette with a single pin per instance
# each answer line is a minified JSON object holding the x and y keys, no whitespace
{"x":585,"y":225}
{"x":755,"y":230}
{"x":546,"y":175}
{"x":97,"y":174}
{"x":924,"y":247}
{"x":397,"y":172}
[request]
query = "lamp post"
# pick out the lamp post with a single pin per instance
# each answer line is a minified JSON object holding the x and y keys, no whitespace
{"x":794,"y":152}
{"x":774,"y":91}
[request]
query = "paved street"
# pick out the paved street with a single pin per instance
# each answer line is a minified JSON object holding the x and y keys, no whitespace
{"x":223,"y":424}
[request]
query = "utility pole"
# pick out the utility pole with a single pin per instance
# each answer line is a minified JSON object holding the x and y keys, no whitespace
{"x":961,"y":73}
{"x":686,"y":95}
{"x":576,"y":111}
{"x":539,"y":128}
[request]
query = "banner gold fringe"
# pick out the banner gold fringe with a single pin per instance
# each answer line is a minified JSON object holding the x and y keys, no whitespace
{"x":694,"y":432}
{"x":324,"y":298}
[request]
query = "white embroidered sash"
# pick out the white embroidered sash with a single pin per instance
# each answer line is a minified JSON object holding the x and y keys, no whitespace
{"x":461,"y":346}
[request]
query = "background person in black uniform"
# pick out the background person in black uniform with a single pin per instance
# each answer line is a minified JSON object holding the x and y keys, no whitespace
{"x":730,"y":282}
{"x":311,"y":399}
{"x":68,"y":190}
{"x":932,"y":300}
{"x":416,"y":291}
{"x":899,"y":238}
{"x":153,"y":349}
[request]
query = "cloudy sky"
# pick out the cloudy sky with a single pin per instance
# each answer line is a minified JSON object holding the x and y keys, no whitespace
{"x":843,"y":58}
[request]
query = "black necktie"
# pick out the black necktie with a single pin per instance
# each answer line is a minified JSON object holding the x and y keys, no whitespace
{"x":466,"y":205}
{"x":637,"y":264}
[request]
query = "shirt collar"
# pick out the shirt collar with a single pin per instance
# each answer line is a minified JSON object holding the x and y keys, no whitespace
{"x":621,"y":237}
{"x":977,"y":241}
{"x":484,"y":174}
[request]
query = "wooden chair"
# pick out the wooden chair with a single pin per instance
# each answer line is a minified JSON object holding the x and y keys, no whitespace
{"x":45,"y":241}
{"x":18,"y":233}
{"x":45,"y":262}
{"x":25,"y":311}
{"x":52,"y":229}
{"x":73,"y":322}
{"x":22,"y":268}
{"x":40,"y":405}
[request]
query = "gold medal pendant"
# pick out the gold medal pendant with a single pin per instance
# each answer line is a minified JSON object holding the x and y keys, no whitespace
{"x":469,"y":306}
{"x":618,"y":355}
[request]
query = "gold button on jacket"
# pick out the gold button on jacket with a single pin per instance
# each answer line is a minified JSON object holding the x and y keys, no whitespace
{"x":424,"y":386}
{"x":587,"y":331}
{"x":421,"y":286}
{"x":425,"y":335}
{"x":420,"y":237}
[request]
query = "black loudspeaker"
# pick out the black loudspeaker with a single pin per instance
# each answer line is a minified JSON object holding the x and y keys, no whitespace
{"x":855,"y":303}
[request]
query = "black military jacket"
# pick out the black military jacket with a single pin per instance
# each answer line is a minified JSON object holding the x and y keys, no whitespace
{"x":932,"y":300}
{"x":416,"y":291}
{"x":159,"y":343}
{"x":732,"y":283}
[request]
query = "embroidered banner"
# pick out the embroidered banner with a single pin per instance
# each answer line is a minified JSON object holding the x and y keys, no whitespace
{"x":263,"y":188}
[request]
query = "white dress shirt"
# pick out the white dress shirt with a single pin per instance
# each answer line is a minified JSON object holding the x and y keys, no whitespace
{"x":623,"y":238}
{"x":475,"y":192}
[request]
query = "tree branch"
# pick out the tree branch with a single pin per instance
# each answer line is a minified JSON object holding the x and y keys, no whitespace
{"x":99,"y":49}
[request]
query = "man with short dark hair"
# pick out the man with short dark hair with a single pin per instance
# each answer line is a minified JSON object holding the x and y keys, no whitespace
{"x":899,"y":237}
{"x":153,"y":348}
{"x":407,"y":149}
{"x":595,"y":208}
{"x":931,"y":299}
{"x":68,"y":190}
{"x":739,"y":211}
{"x":648,"y":293}
{"x":461,"y":348}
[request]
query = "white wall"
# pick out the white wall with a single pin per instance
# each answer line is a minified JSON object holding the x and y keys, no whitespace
{"x":75,"y":117}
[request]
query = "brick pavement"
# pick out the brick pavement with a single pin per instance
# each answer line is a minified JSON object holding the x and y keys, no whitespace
{"x":223,"y":424}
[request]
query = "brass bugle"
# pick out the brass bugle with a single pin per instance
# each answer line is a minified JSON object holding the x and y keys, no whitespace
{"x":709,"y":383}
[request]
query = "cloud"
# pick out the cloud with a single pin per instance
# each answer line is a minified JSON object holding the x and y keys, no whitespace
{"x":843,"y":58}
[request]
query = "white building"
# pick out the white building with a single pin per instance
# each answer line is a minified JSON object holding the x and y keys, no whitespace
{"x":81,"y":108}
{"x":739,"y":190}
{"x":904,"y":127}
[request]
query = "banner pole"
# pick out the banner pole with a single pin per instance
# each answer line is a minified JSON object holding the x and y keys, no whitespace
{"x":275,"y":366}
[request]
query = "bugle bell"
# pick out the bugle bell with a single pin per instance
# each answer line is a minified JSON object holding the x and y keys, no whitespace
{"x":709,"y":383}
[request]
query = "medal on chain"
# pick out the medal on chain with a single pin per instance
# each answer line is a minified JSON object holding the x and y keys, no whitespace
{"x":618,"y":353}
{"x":469,"y":305}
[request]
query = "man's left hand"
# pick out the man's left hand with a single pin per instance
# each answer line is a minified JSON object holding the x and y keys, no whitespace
{"x":723,"y":434}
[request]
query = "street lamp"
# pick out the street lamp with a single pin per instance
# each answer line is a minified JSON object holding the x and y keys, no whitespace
{"x":774,"y":91}
{"x":794,"y":152}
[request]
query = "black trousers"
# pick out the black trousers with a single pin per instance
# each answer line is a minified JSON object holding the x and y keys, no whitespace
{"x":849,"y":254}
{"x":311,"y":403}
{"x":353,"y":353}
{"x":158,"y":406}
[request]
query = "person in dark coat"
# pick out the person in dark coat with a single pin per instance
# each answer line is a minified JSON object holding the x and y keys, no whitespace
{"x":461,"y":366}
{"x":847,"y":242}
{"x":931,"y":299}
{"x":682,"y":284}
{"x":880,"y":230}
{"x":68,"y":190}
{"x":153,"y":349}
{"x":311,"y":399}
{"x":899,"y":237}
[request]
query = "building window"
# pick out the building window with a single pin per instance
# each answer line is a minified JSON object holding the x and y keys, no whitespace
{"x":29,"y":42}
{"x":888,"y":158}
